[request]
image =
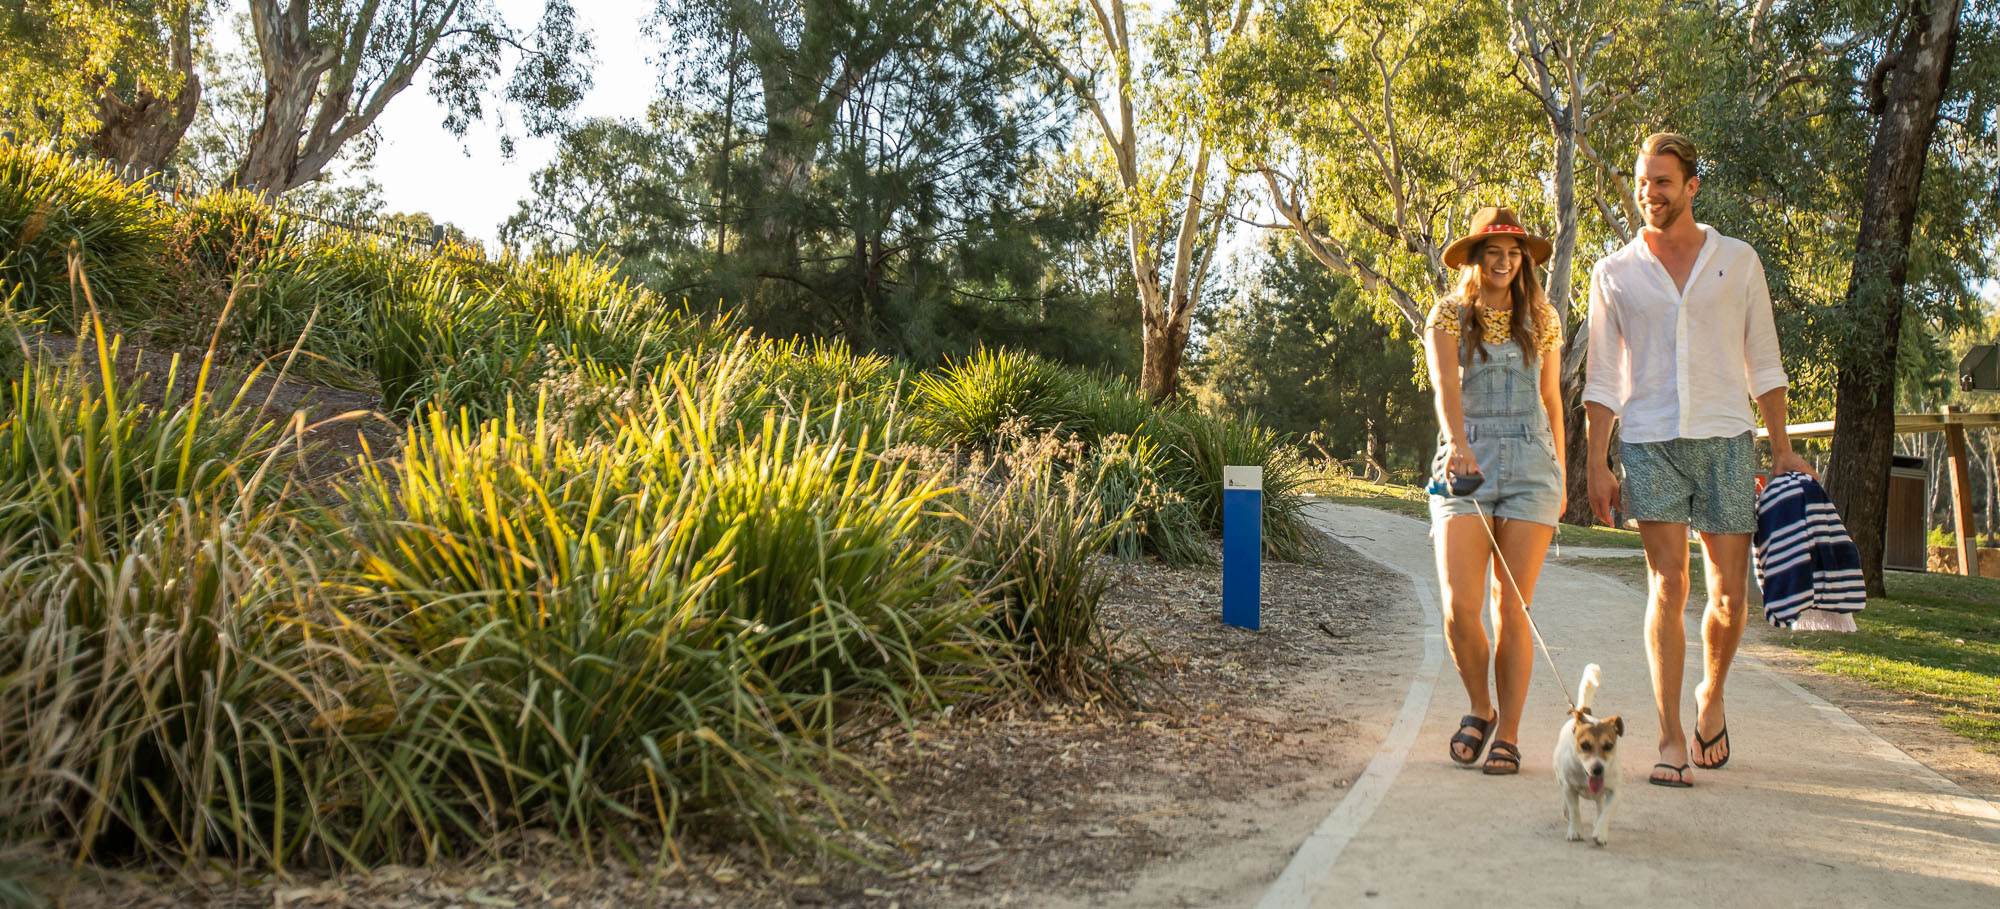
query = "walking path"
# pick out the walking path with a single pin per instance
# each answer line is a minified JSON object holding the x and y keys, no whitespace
{"x":1813,"y":809}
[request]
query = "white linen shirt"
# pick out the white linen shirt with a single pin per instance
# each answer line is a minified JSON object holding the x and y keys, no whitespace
{"x":1682,"y":364}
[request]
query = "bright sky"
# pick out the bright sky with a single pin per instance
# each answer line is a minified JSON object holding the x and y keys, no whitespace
{"x":424,"y":168}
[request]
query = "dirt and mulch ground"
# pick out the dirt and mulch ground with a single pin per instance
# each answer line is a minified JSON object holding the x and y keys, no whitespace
{"x":1245,"y":741}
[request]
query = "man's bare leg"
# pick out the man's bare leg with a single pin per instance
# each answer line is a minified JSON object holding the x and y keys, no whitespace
{"x":1726,"y":559}
{"x":1666,"y":634}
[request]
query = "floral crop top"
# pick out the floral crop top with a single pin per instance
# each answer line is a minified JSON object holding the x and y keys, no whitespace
{"x":1445,"y":315}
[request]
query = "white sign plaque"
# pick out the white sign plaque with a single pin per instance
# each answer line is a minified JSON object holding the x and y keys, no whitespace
{"x":1243,"y":478}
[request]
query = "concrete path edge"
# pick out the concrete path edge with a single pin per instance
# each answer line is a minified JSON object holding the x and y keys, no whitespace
{"x":1317,"y":855}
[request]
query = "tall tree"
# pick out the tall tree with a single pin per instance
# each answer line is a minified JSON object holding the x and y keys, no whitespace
{"x":1559,"y":54}
{"x":1303,"y":349}
{"x":112,"y":77}
{"x":1378,"y":128}
{"x":1908,"y":93}
{"x":911,"y":209}
{"x":1155,"y":143}
{"x":331,"y":67}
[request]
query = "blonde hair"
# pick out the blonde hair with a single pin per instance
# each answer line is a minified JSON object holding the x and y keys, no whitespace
{"x":1526,"y":322}
{"x":1674,"y":144}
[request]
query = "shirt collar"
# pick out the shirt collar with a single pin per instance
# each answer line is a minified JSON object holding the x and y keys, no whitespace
{"x":1638,"y":242}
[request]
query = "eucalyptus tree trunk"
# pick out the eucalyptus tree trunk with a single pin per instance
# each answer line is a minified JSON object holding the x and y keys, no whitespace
{"x":145,"y":131}
{"x":1864,"y":409}
{"x":142,"y":133}
{"x":1554,"y":52}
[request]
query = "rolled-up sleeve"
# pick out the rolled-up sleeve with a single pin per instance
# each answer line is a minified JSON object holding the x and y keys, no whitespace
{"x":1763,"y":363}
{"x":1604,"y":380}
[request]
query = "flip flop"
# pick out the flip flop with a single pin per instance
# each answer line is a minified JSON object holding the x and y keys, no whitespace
{"x":1678,"y":769}
{"x":1474,"y":743}
{"x":1504,"y":752}
{"x":1702,"y":746}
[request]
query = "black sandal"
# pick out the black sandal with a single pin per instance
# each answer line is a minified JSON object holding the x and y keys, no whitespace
{"x":1703,"y":746}
{"x":1680,"y":780}
{"x":1504,"y":752}
{"x":1473,"y":743}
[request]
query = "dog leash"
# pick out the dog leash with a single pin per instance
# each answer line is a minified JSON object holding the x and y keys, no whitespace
{"x":1498,"y":556}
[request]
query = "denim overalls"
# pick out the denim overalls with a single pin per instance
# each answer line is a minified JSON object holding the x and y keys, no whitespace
{"x":1508,"y":428}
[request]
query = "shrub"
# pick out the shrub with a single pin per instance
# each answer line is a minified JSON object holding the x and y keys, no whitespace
{"x":1034,"y":541}
{"x":157,"y":685}
{"x":1200,"y":445}
{"x":967,"y":403}
{"x":1130,"y":475}
{"x":660,"y":625}
{"x":51,"y":204}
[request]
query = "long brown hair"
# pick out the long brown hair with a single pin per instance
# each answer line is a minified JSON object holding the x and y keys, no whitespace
{"x":1530,"y":303}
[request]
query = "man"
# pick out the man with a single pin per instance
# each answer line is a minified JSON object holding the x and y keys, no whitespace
{"x":1681,"y":338}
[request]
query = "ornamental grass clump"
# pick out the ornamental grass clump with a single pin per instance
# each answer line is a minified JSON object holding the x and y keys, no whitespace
{"x":967,"y":403}
{"x":850,"y":392}
{"x":158,"y":675}
{"x":1199,"y":445}
{"x":320,"y":296}
{"x":452,"y":344}
{"x":586,"y":308}
{"x":670,"y":624}
{"x":221,"y":233}
{"x":1035,"y":540}
{"x":1130,"y":474}
{"x":1113,"y":406}
{"x":52,"y":204}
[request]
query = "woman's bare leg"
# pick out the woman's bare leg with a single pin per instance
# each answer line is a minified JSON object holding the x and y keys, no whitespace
{"x":1523,"y":544}
{"x":1463,"y":551}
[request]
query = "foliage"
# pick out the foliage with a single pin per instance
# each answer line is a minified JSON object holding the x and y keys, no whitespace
{"x":846,"y":169}
{"x":328,"y":84}
{"x":685,"y":616}
{"x":1114,"y":406}
{"x":970,"y":402}
{"x":222,"y":233}
{"x":1033,"y":541}
{"x":147,"y":589}
{"x":1305,"y":350}
{"x":62,"y":54}
{"x":1202,"y":444}
{"x":1130,"y":477}
{"x":52,"y":205}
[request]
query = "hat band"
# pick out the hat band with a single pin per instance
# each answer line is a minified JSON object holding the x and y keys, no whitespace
{"x":1502,"y":229}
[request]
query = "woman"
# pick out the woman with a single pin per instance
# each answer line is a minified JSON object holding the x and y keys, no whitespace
{"x":1494,"y":360}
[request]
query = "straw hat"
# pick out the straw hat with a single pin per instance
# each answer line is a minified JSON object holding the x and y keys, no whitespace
{"x":1490,"y":222}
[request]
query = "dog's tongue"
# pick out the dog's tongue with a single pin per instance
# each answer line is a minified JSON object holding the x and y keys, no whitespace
{"x":1596,"y":783}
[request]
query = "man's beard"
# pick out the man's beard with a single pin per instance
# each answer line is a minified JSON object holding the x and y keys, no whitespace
{"x":1665,"y":216}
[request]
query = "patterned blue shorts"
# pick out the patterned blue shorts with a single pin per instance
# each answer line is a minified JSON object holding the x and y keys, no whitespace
{"x":1707,"y":484}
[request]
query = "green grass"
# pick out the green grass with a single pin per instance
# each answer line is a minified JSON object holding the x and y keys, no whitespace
{"x":1936,"y":637}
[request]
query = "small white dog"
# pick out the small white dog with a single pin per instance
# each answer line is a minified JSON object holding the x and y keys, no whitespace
{"x":1587,"y":761}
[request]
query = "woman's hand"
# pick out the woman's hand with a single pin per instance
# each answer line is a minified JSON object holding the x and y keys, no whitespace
{"x":1459,"y":460}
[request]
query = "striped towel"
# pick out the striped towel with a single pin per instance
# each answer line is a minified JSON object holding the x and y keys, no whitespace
{"x":1806,"y":562}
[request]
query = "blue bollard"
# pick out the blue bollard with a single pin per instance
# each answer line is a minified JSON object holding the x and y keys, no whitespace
{"x":1242,"y":545}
